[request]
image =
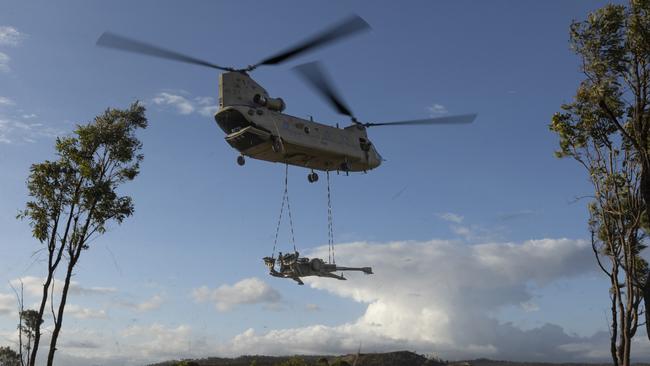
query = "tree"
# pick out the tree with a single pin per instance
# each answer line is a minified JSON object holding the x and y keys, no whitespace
{"x":614,"y":46}
{"x":30,"y":321}
{"x":590,"y":132}
{"x":74,"y":198}
{"x":9,"y":357}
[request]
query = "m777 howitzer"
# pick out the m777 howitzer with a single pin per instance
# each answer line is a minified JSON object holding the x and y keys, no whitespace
{"x":294,"y":267}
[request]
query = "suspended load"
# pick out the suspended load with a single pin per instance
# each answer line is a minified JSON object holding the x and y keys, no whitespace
{"x":291,"y":265}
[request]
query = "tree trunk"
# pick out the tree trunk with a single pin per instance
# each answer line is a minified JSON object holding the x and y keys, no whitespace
{"x":644,"y":188}
{"x":64,"y":297}
{"x":41,"y":310}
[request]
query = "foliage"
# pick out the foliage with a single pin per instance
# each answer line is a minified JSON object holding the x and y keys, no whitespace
{"x":340,"y":362}
{"x":9,"y":357}
{"x":31,"y":321}
{"x":74,"y":197}
{"x":293,"y":361}
{"x":186,"y":363}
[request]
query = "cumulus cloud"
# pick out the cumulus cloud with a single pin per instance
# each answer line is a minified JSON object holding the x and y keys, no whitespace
{"x":247,"y":291}
{"x":205,"y":106}
{"x":157,"y":341}
{"x":10,"y":36}
{"x":440,"y":296}
{"x":182,"y":105}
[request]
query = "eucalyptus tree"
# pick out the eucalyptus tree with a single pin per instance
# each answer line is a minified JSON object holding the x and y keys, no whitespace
{"x":606,"y":130}
{"x":74,"y":197}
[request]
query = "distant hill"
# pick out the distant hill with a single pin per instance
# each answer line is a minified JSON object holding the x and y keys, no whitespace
{"x":400,"y":358}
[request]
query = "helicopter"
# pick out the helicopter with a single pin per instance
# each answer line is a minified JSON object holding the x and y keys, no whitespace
{"x":254,"y":122}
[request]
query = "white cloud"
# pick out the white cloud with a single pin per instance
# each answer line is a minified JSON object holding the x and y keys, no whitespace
{"x":7,"y":304}
{"x":451,"y":217}
{"x":437,"y":110}
{"x":85,"y":313}
{"x":441,"y":296}
{"x":208,"y":111}
{"x":182,"y":105}
{"x":157,"y":341}
{"x":6,"y":101}
{"x":4,"y":62}
{"x":34,"y":286}
{"x":13,"y":130}
{"x":468,"y":232}
{"x":247,"y":291}
{"x":205,"y":106}
{"x":10,"y":36}
{"x":21,"y":127}
{"x":208,"y":107}
{"x":152,"y":303}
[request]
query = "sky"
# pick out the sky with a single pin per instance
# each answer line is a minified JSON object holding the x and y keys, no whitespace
{"x":477,"y":234}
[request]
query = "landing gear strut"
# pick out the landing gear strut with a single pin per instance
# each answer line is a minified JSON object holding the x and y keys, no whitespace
{"x":312,"y":177}
{"x":345,"y":166}
{"x":241,"y":160}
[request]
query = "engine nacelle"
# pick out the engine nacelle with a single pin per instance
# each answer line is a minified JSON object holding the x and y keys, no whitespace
{"x":274,"y":104}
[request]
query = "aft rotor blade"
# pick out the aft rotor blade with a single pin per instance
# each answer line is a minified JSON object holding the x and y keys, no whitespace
{"x":112,"y":40}
{"x":315,"y":76}
{"x":347,"y":27}
{"x":447,"y":120}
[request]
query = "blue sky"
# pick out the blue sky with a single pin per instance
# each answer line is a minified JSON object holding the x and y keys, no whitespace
{"x":183,"y":277}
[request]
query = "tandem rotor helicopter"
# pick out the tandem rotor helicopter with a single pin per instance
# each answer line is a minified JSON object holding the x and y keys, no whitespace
{"x":256,"y":126}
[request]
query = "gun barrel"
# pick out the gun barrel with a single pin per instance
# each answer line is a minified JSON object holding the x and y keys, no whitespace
{"x":366,"y":270}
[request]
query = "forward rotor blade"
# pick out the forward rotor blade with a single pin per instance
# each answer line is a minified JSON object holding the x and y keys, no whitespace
{"x":453,"y":120}
{"x":315,"y":76}
{"x":112,"y":40}
{"x":348,"y":27}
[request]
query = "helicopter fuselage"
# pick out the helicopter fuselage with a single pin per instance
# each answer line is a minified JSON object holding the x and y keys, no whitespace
{"x":256,"y":127}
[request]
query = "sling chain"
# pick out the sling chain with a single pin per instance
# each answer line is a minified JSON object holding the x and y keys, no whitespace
{"x":285,"y":198}
{"x":330,"y":223}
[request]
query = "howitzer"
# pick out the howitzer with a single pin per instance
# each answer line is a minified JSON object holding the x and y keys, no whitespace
{"x":294,"y":267}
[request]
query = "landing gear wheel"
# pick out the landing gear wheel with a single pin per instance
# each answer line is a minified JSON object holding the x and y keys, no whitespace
{"x":312,"y":177}
{"x":241,"y":160}
{"x":345,"y":166}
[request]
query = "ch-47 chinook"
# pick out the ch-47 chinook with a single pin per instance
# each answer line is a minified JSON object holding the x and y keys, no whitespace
{"x":256,"y":126}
